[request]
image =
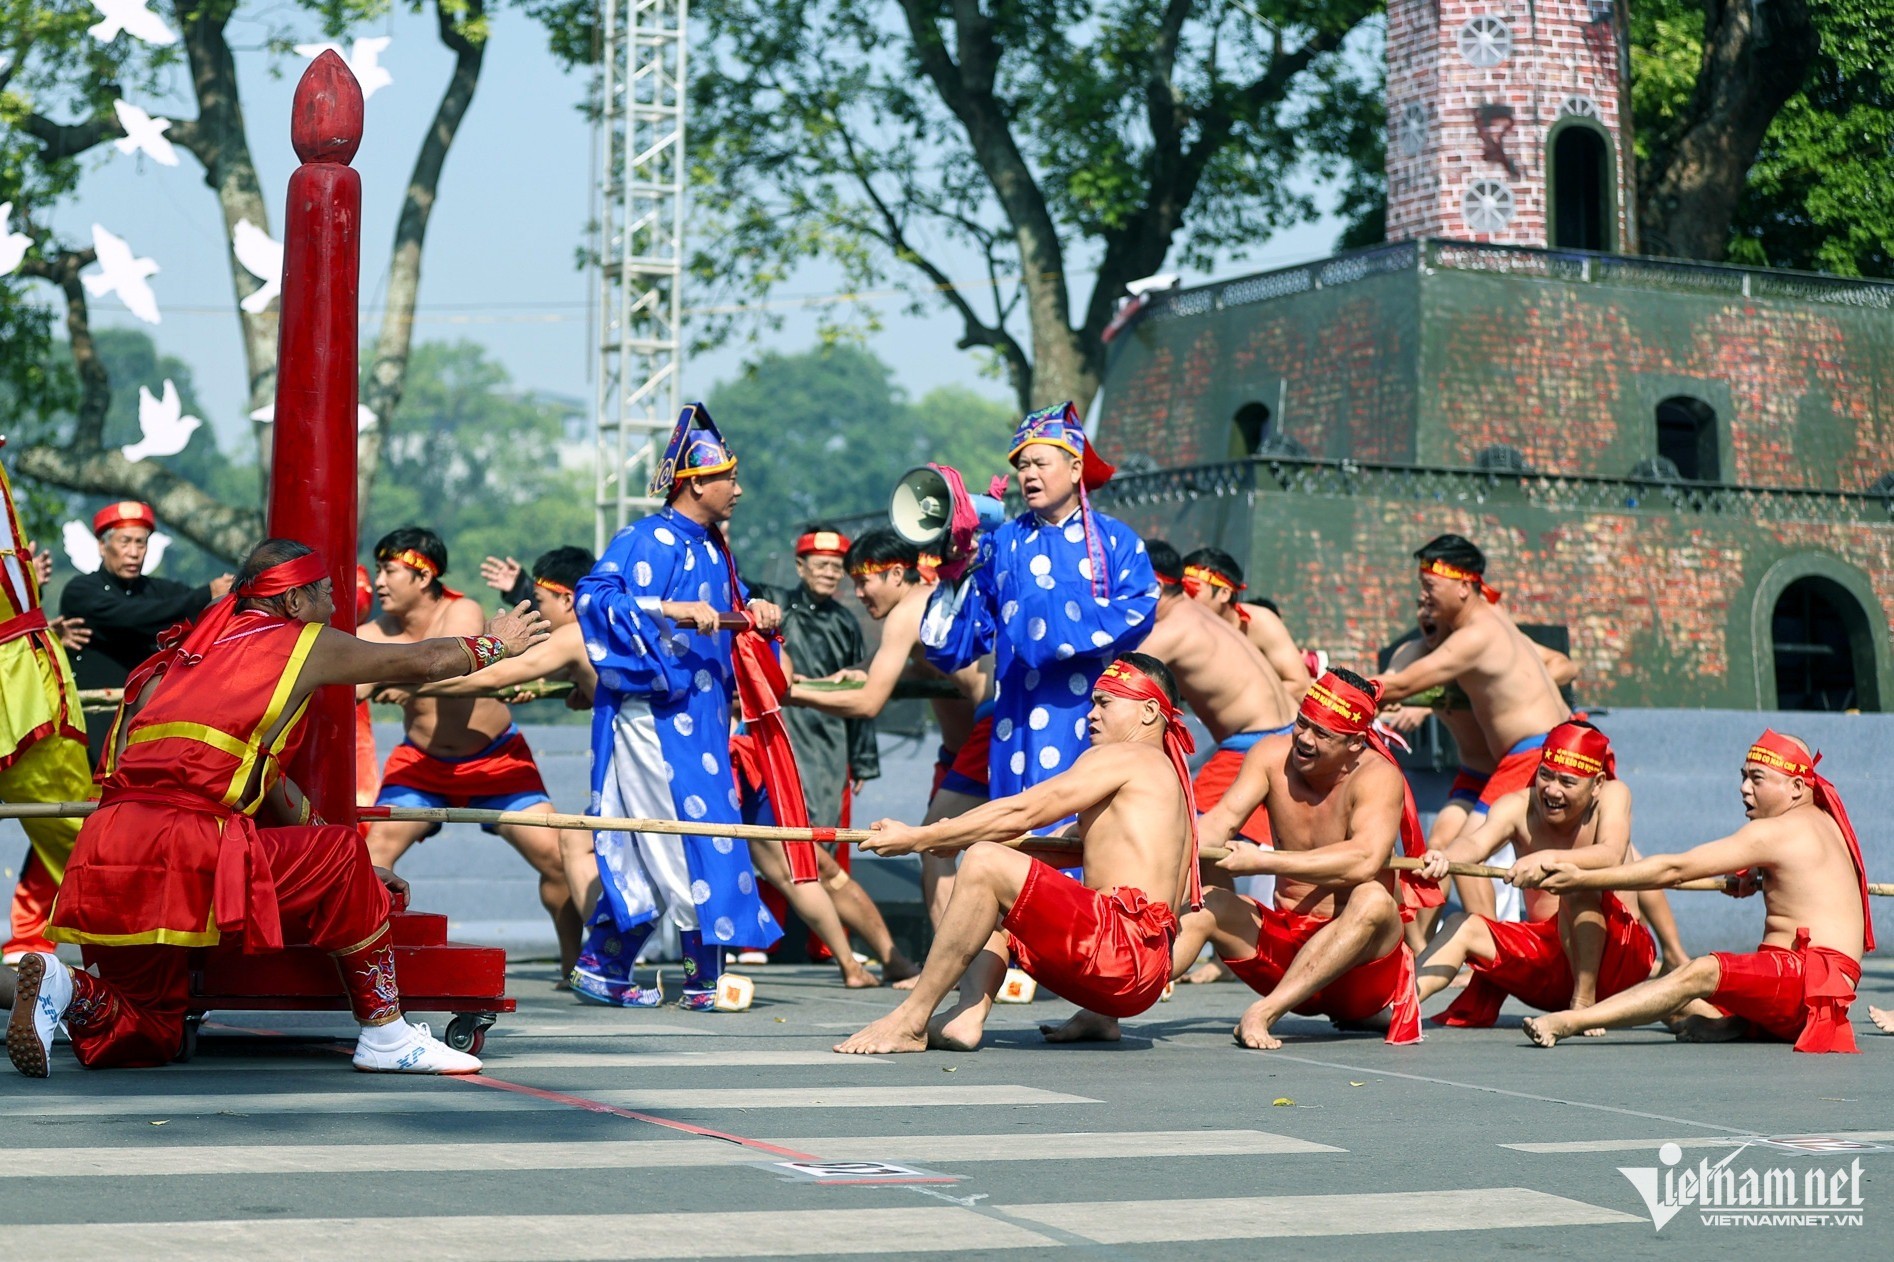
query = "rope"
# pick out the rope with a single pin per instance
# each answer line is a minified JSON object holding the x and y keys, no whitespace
{"x":759,"y":832}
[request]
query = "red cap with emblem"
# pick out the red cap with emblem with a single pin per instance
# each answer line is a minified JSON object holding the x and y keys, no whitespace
{"x":123,"y":513}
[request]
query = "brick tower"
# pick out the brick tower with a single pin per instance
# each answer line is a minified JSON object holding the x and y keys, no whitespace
{"x":1504,"y":123}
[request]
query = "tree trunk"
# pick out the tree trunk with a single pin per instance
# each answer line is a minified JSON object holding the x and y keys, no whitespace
{"x":388,"y":372}
{"x":217,"y":139}
{"x":1755,"y":57}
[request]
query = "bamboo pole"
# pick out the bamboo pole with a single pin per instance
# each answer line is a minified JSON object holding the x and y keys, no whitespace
{"x":759,"y":832}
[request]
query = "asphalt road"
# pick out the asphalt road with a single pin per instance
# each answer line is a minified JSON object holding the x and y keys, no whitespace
{"x":608,"y":1134}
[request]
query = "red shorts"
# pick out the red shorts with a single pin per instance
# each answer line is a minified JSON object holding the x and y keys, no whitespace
{"x":968,"y":772}
{"x":503,"y":769}
{"x":1106,"y":950}
{"x":1214,"y":779}
{"x":1515,"y":770}
{"x":1362,"y":992}
{"x":1529,"y":964}
{"x":1798,"y":996}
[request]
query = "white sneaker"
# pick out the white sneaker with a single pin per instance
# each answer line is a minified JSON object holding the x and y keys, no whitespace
{"x":419,"y":1053}
{"x":40,"y":1000}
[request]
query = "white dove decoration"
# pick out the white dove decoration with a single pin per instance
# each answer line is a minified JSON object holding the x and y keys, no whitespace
{"x":262,"y":257}
{"x":364,"y":61}
{"x":122,"y":274}
{"x":13,"y":245}
{"x":132,"y":17}
{"x":165,"y":430}
{"x":83,"y":550}
{"x":365,"y":417}
{"x":142,"y":131}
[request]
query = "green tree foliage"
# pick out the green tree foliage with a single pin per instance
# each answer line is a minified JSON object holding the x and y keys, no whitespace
{"x":1023,"y":160}
{"x":479,"y":464}
{"x":826,"y":433}
{"x":1817,"y":190}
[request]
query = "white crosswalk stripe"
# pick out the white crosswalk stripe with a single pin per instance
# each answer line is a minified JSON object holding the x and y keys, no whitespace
{"x":1687,"y":1141}
{"x":441,"y":1097}
{"x":644,"y":1154}
{"x":500,"y":1063}
{"x":805,"y":1233}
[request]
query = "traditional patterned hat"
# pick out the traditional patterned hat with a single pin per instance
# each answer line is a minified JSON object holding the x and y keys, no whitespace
{"x":696,"y":450}
{"x":124,"y":513}
{"x":1059,"y":426}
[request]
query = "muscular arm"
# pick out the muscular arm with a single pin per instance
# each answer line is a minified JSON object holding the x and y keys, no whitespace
{"x":563,"y":654}
{"x":1611,"y":840}
{"x":1502,"y":824}
{"x":1279,"y":647}
{"x":1748,"y":847}
{"x":900,"y":631}
{"x":1240,"y":800}
{"x":1453,"y":658}
{"x":1562,"y":668}
{"x":1098,"y":773}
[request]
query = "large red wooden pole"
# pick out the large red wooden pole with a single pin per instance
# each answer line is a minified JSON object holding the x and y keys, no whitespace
{"x":312,"y":468}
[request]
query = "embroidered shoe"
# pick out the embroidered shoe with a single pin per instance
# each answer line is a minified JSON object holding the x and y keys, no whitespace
{"x":419,"y":1053}
{"x":40,"y":1000}
{"x":591,"y":988}
{"x":698,"y":1001}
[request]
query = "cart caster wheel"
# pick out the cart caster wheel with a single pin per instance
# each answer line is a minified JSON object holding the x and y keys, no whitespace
{"x":187,"y":1048}
{"x":467,"y":1032}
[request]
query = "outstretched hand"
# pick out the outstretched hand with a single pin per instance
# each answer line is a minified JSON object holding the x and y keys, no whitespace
{"x":519,"y":628}
{"x":500,"y":574}
{"x":42,"y":563}
{"x":1558,"y":878}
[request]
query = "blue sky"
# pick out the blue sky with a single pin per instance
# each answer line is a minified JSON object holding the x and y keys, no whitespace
{"x":499,"y":266}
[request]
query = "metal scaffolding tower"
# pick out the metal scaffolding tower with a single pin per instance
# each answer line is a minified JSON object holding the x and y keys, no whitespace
{"x":640,"y":247}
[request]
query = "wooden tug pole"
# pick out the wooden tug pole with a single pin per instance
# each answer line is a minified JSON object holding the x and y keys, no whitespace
{"x":312,"y":466}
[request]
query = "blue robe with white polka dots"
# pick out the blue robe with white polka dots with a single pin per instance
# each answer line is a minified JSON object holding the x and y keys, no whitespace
{"x":661,"y":735}
{"x":1033,"y":605}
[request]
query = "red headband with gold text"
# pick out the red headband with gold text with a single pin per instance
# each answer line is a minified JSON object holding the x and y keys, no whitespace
{"x":1584,"y":751}
{"x":1340,"y":707}
{"x":1446,"y":570}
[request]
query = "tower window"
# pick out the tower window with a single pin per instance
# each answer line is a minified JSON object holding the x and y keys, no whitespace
{"x":1686,"y":436}
{"x":1248,"y":429}
{"x":1580,"y":167}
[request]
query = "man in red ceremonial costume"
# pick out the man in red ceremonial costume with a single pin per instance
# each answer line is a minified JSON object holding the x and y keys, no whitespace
{"x":1505,"y":679}
{"x":889,"y":582}
{"x":1104,"y":944}
{"x":1332,"y":943}
{"x":1798,"y":984}
{"x":1213,"y":579}
{"x":42,"y":732}
{"x":1572,"y":950}
{"x":459,"y":751}
{"x":174,"y":859}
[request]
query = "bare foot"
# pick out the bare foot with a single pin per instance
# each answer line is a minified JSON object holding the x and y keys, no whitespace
{"x":855,"y":977}
{"x":1207,"y":972}
{"x":1084,"y":1026}
{"x":1539,"y":1030}
{"x":1882,"y":1017}
{"x":1253,"y":1029}
{"x":899,"y":969}
{"x":890,"y":1034}
{"x":1596,"y":1031}
{"x":1695,"y":1029}
{"x":961,"y":1028}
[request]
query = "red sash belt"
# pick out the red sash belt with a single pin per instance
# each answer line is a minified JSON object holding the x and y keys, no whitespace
{"x":24,"y":624}
{"x":1828,"y":988}
{"x":243,"y":895}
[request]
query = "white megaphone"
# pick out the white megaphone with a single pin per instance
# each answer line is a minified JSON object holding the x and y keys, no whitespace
{"x":933,"y":510}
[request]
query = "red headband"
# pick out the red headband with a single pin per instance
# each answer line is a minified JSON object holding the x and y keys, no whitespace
{"x":1582,"y":750}
{"x":285,"y":577}
{"x":1446,"y":570}
{"x":822,"y":543}
{"x":1196,"y":577}
{"x":1335,"y":705}
{"x":1122,"y":679}
{"x":1774,"y":750}
{"x":1341,"y":707}
{"x":420,"y":565}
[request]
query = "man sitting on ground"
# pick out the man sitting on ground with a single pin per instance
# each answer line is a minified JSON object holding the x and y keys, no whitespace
{"x":1571,"y":951}
{"x":1798,"y":984}
{"x":1332,"y":942}
{"x":1104,"y":944}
